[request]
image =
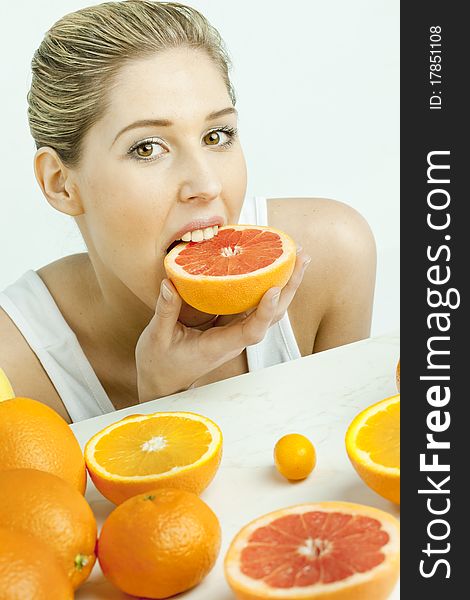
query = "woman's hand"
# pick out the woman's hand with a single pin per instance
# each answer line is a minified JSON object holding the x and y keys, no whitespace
{"x":171,"y":357}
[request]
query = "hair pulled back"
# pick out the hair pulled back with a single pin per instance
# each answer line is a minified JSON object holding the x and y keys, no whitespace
{"x":74,"y":66}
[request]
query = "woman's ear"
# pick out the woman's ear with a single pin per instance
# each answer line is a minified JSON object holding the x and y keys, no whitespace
{"x":55,"y":180}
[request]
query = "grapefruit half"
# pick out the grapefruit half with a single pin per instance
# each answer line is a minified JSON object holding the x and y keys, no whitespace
{"x":229,"y":273}
{"x":321,"y":551}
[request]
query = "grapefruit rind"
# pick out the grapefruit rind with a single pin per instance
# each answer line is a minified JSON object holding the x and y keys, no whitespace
{"x":380,"y":478}
{"x":375,"y":584}
{"x":193,"y":477}
{"x":232,"y":294}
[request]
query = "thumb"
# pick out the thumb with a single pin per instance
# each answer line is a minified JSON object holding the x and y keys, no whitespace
{"x":167,"y":311}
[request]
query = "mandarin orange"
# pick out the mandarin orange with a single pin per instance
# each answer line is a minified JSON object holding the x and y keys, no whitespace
{"x":159,"y":543}
{"x":294,"y":456}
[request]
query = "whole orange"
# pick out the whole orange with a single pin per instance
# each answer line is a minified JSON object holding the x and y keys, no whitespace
{"x":159,"y":543}
{"x":294,"y":456}
{"x":34,"y":436}
{"x":29,"y":569}
{"x":43,"y":505}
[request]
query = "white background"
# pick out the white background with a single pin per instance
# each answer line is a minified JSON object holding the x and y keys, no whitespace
{"x":318,"y":95}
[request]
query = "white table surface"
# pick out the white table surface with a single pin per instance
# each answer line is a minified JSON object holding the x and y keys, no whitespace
{"x":316,"y":395}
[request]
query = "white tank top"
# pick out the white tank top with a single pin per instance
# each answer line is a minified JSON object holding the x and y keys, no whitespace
{"x":31,"y":307}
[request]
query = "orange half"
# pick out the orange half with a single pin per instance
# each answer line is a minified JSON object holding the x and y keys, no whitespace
{"x":373,"y":446}
{"x":145,"y":452}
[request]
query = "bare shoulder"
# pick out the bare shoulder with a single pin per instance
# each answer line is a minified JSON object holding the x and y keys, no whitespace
{"x":311,"y":219}
{"x":332,"y":233}
{"x":23,"y":368}
{"x":341,"y":275}
{"x":62,"y":273}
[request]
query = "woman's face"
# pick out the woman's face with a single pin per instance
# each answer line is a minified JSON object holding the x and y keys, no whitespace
{"x":164,"y":155}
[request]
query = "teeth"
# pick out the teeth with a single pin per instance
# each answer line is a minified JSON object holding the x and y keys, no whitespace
{"x":208,"y":233}
{"x":198,"y":235}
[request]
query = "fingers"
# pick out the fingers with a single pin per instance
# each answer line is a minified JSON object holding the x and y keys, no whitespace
{"x":166,"y":312}
{"x":260,"y":319}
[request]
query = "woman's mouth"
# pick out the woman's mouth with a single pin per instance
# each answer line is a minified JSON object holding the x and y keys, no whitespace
{"x":198,"y":235}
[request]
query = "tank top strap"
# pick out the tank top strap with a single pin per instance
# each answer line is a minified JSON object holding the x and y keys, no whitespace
{"x":31,"y":307}
{"x":279,"y":344}
{"x":261,"y":209}
{"x":254,"y":211}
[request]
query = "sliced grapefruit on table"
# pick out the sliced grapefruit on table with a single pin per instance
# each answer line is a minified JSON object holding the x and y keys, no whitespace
{"x":231,"y":272}
{"x":373,"y":446}
{"x":317,"y":551}
{"x":145,"y":452}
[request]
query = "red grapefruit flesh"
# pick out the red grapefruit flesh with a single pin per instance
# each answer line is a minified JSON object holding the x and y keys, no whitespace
{"x":229,"y":273}
{"x":329,"y":550}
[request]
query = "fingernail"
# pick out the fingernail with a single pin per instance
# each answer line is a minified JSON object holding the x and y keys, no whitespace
{"x":166,"y":292}
{"x":275,"y":298}
{"x":299,"y":248}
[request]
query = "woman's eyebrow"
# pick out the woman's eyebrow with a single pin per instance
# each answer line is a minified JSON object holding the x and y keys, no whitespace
{"x":220,"y":113}
{"x":166,"y":123}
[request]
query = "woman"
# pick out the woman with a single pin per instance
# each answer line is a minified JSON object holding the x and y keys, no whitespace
{"x":133,"y":115}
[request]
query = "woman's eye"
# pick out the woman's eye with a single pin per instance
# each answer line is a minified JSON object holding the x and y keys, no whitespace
{"x":219,"y":137}
{"x":212,"y":138}
{"x":145,"y":150}
{"x":148,"y":150}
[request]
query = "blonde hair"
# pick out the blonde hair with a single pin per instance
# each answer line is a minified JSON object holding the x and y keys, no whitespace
{"x":80,"y":54}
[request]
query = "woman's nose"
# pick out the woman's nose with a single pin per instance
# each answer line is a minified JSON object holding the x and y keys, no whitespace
{"x":201,"y":181}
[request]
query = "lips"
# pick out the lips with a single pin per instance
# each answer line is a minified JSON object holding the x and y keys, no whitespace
{"x":192,"y":226}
